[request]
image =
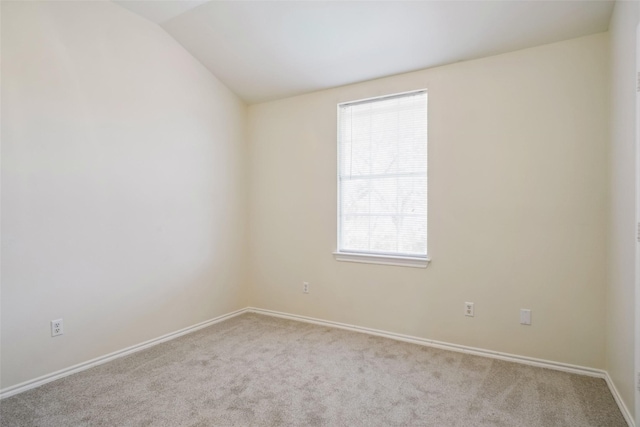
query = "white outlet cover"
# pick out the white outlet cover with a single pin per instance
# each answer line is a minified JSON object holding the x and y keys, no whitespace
{"x":468,"y":309}
{"x":57,"y":327}
{"x":525,"y":316}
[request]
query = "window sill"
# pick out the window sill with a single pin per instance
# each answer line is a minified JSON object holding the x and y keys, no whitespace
{"x":382,"y":259}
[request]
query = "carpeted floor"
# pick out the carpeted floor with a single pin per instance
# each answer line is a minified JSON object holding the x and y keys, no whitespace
{"x":255,"y":370}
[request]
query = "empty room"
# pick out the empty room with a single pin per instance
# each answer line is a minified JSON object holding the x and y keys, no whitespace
{"x":320,"y":213}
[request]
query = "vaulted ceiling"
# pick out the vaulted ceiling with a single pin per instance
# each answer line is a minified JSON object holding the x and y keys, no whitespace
{"x":265,"y":50}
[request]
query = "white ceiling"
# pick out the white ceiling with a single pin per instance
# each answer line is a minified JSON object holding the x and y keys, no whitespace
{"x":264,"y":50}
{"x":159,"y":11}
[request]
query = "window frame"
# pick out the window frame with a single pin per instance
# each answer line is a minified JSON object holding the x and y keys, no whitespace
{"x":421,"y":261}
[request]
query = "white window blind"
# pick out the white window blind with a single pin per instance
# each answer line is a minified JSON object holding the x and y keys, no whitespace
{"x":382,"y":176}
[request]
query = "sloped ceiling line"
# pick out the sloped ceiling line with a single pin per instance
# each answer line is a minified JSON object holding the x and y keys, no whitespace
{"x":265,"y":50}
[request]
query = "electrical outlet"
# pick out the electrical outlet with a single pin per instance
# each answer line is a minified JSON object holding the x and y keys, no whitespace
{"x":468,"y":309}
{"x":56,"y":328}
{"x":305,"y":287}
{"x":525,"y":316}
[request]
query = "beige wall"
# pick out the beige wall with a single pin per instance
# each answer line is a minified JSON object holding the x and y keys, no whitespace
{"x":621,"y":249}
{"x":128,"y":219}
{"x":123,"y":189}
{"x":518,"y":199}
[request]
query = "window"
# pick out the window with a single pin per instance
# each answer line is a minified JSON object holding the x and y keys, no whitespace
{"x":382,"y":180}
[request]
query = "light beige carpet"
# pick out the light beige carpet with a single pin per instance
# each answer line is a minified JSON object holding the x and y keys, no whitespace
{"x":255,"y":370}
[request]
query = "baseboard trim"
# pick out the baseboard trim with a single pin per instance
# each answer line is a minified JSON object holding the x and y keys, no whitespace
{"x":619,"y":401}
{"x":542,"y":363}
{"x":27,"y":385}
{"x":558,"y":366}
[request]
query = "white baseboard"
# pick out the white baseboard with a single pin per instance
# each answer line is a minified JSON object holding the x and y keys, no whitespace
{"x":619,"y":401}
{"x":565,"y":367}
{"x":27,"y":385}
{"x":558,"y":366}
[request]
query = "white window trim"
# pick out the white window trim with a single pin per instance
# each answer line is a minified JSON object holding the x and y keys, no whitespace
{"x":368,"y":258}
